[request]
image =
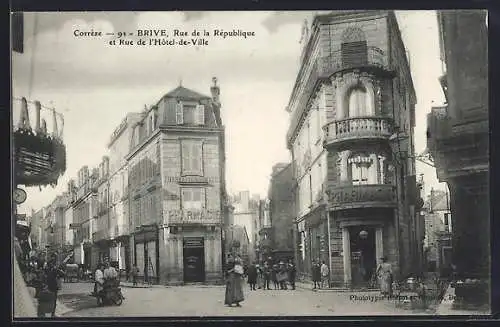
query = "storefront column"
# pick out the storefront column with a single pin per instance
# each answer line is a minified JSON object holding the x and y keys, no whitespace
{"x":346,"y":252}
{"x":379,"y":243}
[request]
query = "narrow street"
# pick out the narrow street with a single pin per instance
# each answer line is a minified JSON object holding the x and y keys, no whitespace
{"x":208,"y":301}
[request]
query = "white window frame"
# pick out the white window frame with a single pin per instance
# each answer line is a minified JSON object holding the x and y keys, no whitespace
{"x":187,"y":149}
{"x":190,"y":191}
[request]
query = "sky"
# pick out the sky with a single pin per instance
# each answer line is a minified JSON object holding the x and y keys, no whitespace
{"x":94,"y":84}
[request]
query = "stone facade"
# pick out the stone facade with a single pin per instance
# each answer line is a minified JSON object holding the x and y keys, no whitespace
{"x":355,"y":200}
{"x":458,"y":139}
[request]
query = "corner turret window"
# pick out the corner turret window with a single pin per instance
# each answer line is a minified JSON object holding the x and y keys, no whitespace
{"x":360,"y":168}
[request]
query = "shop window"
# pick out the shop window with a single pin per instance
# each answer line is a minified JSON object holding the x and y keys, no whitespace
{"x":192,"y":158}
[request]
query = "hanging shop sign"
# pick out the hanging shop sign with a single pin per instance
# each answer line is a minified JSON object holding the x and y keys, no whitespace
{"x":40,"y":155}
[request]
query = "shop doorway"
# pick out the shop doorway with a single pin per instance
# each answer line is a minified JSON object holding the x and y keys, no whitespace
{"x":194,"y":260}
{"x":363,"y":255}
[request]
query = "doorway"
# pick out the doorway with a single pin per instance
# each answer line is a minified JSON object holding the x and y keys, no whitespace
{"x":194,"y":260}
{"x":363,"y":254}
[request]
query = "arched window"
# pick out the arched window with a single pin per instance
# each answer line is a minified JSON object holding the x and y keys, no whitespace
{"x":358,"y":102}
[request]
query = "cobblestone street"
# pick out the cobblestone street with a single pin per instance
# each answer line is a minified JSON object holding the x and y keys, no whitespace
{"x":208,"y":301}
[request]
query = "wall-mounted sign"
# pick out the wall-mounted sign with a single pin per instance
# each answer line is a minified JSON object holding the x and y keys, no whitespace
{"x":191,"y":179}
{"x":19,"y":196}
{"x":75,"y":226}
{"x":193,"y":242}
{"x":194,"y":216}
{"x":361,"y":193}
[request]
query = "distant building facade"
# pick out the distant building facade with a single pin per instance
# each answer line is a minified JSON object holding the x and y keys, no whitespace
{"x":279,"y":226}
{"x":438,"y":227}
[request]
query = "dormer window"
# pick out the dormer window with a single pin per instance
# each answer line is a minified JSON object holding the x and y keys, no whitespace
{"x":190,"y":113}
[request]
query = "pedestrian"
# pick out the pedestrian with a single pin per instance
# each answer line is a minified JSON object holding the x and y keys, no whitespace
{"x":384,"y":274}
{"x":51,"y":275}
{"x":234,"y":289}
{"x":274,"y":275}
{"x":325,"y":274}
{"x":252,"y":276}
{"x":99,"y":279}
{"x":134,"y":273}
{"x":291,"y":274}
{"x":267,"y":276}
{"x":260,"y":276}
{"x":282,"y":275}
{"x":316,"y":274}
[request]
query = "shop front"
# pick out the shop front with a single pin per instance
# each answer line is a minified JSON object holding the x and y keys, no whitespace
{"x":146,"y":250}
{"x":194,"y":259}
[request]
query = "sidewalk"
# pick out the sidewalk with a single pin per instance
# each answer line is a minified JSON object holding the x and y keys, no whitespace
{"x":309,"y":286}
{"x":141,"y":285}
{"x":446,"y":306}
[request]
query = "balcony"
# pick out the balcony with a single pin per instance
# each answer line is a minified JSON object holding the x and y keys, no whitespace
{"x":194,"y":217}
{"x":121,"y":230}
{"x":362,"y":196}
{"x":100,"y":235}
{"x":356,"y":129}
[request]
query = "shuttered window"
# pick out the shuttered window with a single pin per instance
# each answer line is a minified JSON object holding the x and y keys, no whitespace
{"x":193,"y":198}
{"x":354,"y":54}
{"x":192,"y":157}
{"x":179,"y":114}
{"x":200,"y":114}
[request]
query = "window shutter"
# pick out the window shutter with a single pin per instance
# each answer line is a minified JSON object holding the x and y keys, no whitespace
{"x":196,"y":157}
{"x":200,"y":114}
{"x":179,"y":114}
{"x":186,"y":157}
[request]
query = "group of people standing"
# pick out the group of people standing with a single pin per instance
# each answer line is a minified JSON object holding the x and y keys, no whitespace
{"x":320,"y":274}
{"x":260,"y":275}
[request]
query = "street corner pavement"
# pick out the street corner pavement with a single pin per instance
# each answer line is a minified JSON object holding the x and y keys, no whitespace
{"x":209,"y":301}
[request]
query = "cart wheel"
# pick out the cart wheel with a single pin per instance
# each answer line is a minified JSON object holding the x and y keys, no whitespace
{"x":118,"y":300}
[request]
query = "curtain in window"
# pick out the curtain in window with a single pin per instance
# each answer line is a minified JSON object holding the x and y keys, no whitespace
{"x":357,"y":102}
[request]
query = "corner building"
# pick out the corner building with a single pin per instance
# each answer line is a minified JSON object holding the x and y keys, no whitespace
{"x":355,"y":202}
{"x":177,"y":189}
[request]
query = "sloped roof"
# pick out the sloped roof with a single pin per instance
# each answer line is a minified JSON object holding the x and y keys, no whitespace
{"x":183,"y":93}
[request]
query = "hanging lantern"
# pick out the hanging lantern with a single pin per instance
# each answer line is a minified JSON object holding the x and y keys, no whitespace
{"x":363,"y":234}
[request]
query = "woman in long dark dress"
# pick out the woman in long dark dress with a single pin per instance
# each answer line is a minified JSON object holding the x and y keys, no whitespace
{"x":234,"y":287}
